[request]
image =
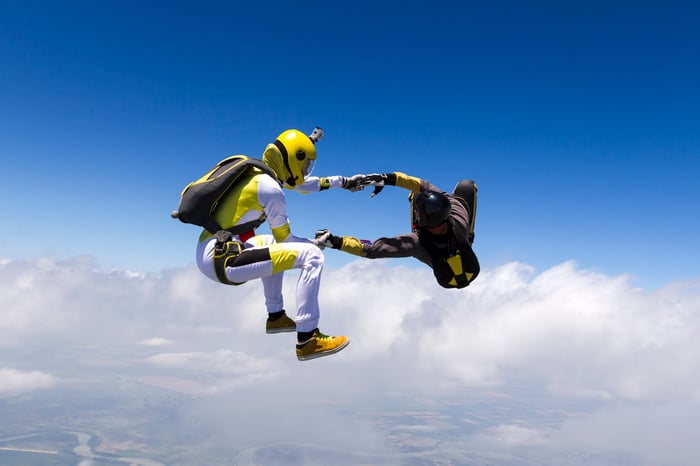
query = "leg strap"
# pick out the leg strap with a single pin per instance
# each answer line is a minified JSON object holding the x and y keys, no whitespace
{"x":223,"y":253}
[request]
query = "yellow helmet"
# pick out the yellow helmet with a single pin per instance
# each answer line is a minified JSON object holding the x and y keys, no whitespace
{"x":298,"y":153}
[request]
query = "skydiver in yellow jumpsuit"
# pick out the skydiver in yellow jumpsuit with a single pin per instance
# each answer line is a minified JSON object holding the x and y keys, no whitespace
{"x":248,"y":256}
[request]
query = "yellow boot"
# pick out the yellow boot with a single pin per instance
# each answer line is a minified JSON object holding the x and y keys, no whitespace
{"x":320,"y":345}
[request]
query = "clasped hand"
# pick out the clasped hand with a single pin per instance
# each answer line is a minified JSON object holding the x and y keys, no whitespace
{"x":358,"y":182}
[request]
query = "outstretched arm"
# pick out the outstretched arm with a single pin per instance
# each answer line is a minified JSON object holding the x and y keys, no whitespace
{"x":411,"y":183}
{"x":399,"y":179}
{"x":397,"y":246}
{"x":314,"y":184}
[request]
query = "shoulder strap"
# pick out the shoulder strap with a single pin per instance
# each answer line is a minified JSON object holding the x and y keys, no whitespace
{"x":253,"y":224}
{"x":259,"y":164}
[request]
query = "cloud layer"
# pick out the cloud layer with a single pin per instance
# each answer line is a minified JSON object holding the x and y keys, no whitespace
{"x":569,"y":333}
{"x":581,"y":333}
{"x":13,"y":381}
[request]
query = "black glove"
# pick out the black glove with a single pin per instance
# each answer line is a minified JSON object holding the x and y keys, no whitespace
{"x":378,"y":180}
{"x":353,"y":183}
{"x":324,"y":239}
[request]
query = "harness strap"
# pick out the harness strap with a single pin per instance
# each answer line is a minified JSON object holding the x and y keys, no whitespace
{"x":224,"y":251}
{"x":213,"y":226}
{"x":461,"y":279}
{"x":448,"y":266}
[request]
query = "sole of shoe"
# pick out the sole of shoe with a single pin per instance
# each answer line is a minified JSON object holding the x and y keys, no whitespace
{"x":281,"y":330}
{"x":308,"y":357}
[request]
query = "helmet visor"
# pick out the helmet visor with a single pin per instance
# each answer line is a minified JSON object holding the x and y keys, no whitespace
{"x":431,"y":209}
{"x":308,"y":167}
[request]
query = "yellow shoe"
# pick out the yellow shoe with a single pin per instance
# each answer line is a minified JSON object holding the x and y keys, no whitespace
{"x":320,"y":345}
{"x":280,"y":325}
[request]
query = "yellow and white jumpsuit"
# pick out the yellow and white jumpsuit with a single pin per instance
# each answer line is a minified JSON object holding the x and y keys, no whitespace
{"x":267,"y":256}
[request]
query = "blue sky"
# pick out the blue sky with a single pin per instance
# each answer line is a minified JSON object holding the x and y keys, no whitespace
{"x":579,"y":121}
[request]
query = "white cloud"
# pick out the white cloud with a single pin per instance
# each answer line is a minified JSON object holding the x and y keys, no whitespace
{"x":576,"y":332}
{"x":13,"y":381}
{"x":566,"y":333}
{"x":572,"y":328}
{"x":512,"y":436}
{"x":657,"y":433}
{"x":156,"y":342}
{"x":221,"y":361}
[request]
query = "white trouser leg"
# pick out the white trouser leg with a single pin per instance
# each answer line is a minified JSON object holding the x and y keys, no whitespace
{"x":308,"y":286}
{"x":272,"y":288}
{"x":282,"y":256}
{"x":272,"y":284}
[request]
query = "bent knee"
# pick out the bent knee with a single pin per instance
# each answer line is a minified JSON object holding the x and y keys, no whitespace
{"x":314,"y":256}
{"x":288,"y":256}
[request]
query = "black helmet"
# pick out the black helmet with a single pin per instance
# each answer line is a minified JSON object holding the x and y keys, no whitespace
{"x":431,"y":209}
